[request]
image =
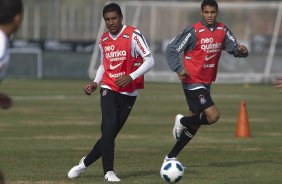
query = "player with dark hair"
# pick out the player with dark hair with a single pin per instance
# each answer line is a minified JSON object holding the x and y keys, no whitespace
{"x":11,"y":14}
{"x":125,"y":58}
{"x":202,"y":44}
{"x":112,"y":8}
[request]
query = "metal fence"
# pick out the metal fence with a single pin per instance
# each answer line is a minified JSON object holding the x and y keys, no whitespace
{"x":256,"y":24}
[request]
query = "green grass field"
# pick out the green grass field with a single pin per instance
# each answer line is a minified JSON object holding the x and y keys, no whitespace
{"x":53,"y":124}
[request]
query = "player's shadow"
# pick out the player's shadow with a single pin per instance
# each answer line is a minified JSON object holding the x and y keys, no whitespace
{"x":95,"y":177}
{"x":237,"y":164}
{"x":130,"y":174}
{"x":146,"y":173}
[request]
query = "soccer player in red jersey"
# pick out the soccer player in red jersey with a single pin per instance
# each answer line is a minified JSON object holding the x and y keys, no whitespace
{"x":202,"y":44}
{"x":125,"y":58}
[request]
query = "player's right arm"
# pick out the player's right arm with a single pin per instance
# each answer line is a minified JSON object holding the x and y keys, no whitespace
{"x":185,"y":41}
{"x":89,"y":88}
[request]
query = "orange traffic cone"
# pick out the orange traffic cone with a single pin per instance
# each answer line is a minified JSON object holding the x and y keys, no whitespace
{"x":243,"y":129}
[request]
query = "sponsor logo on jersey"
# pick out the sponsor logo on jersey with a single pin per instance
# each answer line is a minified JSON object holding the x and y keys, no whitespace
{"x":112,"y":67}
{"x":206,"y":40}
{"x":139,"y":45}
{"x":105,"y":39}
{"x":201,"y":30}
{"x":209,"y":57}
{"x":126,"y":36}
{"x":209,"y":66}
{"x":114,"y":55}
{"x":109,"y":48}
{"x":116,"y":75}
{"x":220,"y":28}
{"x":184,"y":42}
{"x":208,"y":45}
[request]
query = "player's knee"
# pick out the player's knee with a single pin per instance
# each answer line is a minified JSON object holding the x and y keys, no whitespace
{"x":213,"y":118}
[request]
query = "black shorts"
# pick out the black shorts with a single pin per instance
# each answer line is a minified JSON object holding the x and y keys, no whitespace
{"x":198,"y":100}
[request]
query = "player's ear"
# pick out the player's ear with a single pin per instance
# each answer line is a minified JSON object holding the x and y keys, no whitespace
{"x":18,"y":19}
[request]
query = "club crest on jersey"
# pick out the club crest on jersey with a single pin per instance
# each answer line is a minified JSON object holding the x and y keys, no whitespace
{"x":202,"y":99}
{"x":105,"y":39}
{"x":126,"y":36}
{"x":104,"y":93}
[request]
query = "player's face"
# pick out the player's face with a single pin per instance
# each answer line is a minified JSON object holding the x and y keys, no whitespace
{"x":113,"y":22}
{"x":209,"y":14}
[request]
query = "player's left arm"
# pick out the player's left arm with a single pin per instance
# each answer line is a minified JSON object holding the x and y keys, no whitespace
{"x":233,"y":46}
{"x":140,"y":47}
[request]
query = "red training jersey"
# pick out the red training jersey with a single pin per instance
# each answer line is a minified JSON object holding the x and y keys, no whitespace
{"x":202,"y":62}
{"x":117,"y":60}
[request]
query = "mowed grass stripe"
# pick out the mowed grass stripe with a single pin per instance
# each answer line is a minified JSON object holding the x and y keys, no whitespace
{"x":53,"y":124}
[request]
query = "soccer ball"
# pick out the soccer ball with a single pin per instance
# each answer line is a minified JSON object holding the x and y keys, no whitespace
{"x":172,"y":171}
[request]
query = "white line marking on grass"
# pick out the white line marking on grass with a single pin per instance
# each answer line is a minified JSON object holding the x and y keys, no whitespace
{"x":48,"y":97}
{"x":259,"y":120}
{"x":217,"y":96}
{"x":237,"y":96}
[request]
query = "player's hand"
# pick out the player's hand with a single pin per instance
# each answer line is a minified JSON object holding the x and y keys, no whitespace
{"x":89,"y":88}
{"x":5,"y":101}
{"x":182,"y":75}
{"x":278,"y":84}
{"x":242,"y":49}
{"x":123,"y":81}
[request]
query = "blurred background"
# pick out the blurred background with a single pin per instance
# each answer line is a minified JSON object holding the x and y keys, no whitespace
{"x":57,"y":37}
